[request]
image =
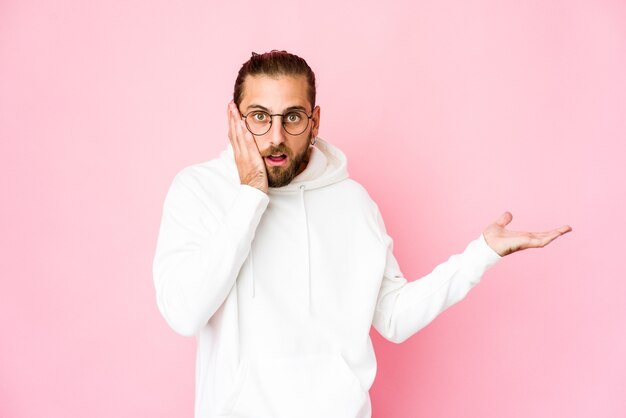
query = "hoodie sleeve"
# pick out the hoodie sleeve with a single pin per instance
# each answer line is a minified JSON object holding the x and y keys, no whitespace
{"x":403,"y":307}
{"x":199,"y":254}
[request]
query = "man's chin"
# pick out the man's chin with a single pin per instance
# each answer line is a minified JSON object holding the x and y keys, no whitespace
{"x":279,"y":176}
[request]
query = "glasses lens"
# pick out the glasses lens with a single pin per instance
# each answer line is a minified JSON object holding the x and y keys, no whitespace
{"x":258,"y":122}
{"x":295,"y":122}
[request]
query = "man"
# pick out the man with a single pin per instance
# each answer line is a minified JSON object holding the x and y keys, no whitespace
{"x":279,"y":264}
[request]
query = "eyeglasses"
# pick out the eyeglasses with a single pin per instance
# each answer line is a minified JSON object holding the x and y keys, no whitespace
{"x":259,"y":122}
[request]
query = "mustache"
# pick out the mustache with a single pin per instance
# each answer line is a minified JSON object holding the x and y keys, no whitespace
{"x":281,"y":149}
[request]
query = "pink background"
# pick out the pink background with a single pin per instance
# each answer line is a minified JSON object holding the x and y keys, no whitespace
{"x":450,"y":113}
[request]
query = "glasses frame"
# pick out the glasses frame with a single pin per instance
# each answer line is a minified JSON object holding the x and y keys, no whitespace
{"x":282,"y":118}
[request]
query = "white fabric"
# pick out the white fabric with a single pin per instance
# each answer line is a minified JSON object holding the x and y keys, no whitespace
{"x":281,"y":289}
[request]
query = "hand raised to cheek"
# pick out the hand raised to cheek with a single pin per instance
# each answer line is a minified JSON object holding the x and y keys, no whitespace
{"x":249,"y":162}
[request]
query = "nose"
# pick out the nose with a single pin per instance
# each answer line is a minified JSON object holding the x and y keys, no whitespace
{"x":276,"y":134}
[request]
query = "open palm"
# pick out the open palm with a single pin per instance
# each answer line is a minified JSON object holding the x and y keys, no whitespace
{"x":504,"y":241}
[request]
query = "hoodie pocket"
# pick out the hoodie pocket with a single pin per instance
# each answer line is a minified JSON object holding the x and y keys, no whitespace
{"x":298,"y":386}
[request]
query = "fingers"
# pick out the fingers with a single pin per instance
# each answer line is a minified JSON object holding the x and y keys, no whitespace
{"x":505,"y":241}
{"x":232,"y":129}
{"x":235,"y":132}
{"x":242,"y":140}
{"x":541,"y":239}
{"x":504,"y":219}
{"x":250,"y":165}
{"x":564,"y":229}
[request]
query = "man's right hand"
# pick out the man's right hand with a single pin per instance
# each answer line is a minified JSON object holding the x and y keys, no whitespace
{"x":250,"y":164}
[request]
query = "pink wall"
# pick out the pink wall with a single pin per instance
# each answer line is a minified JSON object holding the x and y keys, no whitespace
{"x":450,"y":113}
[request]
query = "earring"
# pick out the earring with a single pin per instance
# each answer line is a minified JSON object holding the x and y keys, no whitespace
{"x":313,"y":140}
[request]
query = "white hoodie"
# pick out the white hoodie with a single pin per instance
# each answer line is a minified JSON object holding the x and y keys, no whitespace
{"x":281,"y":289}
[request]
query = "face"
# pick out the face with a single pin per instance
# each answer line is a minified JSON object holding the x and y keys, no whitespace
{"x":285,"y":155}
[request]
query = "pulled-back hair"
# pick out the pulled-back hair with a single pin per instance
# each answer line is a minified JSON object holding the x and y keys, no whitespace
{"x":274,"y":63}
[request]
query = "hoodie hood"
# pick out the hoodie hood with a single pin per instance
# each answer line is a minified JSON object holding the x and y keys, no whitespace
{"x":327,"y":165}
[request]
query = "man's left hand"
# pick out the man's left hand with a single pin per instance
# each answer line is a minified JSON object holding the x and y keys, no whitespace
{"x":505,"y":242}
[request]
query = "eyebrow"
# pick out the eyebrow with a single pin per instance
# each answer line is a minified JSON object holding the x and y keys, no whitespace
{"x":265,"y":109}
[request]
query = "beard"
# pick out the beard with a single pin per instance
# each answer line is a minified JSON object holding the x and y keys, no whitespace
{"x":282,"y":176}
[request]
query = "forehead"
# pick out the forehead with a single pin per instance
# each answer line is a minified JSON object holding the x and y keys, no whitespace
{"x":275,"y":93}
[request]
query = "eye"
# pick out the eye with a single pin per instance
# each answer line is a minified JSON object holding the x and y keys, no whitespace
{"x":259,"y":116}
{"x":293,"y":117}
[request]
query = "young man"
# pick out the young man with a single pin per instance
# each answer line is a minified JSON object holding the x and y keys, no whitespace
{"x":279,"y":264}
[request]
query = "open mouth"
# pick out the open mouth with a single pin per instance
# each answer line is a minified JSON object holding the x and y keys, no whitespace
{"x":276,"y":159}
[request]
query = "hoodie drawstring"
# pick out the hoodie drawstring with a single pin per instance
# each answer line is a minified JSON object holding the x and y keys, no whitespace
{"x":308,"y":249}
{"x":252,"y":270}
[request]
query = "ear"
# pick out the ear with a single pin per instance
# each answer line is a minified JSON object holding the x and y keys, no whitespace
{"x":315,"y":120}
